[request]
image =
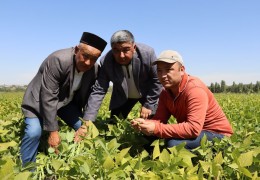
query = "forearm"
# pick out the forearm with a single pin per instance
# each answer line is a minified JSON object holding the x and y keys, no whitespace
{"x":152,"y":95}
{"x":94,"y":102}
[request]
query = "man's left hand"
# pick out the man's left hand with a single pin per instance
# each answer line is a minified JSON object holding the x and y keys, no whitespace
{"x":145,"y":113}
{"x":147,"y":127}
{"x":81,"y":132}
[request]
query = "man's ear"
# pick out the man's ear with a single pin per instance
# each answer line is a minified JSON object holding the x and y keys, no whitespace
{"x":76,"y":50}
{"x":182,"y":70}
{"x":134,"y":46}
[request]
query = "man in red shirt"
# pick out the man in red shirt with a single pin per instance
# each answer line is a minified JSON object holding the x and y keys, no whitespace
{"x":190,"y":101}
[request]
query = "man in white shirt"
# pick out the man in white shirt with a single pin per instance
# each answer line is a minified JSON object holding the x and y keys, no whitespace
{"x":61,"y":88}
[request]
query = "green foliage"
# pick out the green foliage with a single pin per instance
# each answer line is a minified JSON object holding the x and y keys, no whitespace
{"x":116,"y":151}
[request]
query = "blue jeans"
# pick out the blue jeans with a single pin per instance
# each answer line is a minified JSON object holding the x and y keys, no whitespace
{"x":193,"y":143}
{"x":33,"y":131}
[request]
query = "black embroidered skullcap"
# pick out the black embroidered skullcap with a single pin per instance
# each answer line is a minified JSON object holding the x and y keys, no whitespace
{"x":93,"y":40}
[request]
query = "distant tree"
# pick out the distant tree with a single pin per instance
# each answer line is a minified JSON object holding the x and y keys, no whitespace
{"x":217,"y":88}
{"x":233,"y":87}
{"x":223,"y":86}
{"x":250,"y":88}
{"x":212,"y":87}
{"x":240,"y":88}
{"x":257,"y":87}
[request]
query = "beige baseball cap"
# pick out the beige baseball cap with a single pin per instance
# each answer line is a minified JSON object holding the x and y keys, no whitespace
{"x":169,"y":56}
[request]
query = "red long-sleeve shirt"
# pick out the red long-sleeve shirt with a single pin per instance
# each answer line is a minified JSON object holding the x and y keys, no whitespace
{"x":195,"y":109}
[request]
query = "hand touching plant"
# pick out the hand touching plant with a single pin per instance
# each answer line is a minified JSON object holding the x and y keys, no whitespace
{"x":145,"y":126}
{"x":81,"y":132}
{"x":54,"y":140}
{"x":145,"y":113}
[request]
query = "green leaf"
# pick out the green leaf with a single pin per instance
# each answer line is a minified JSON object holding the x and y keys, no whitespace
{"x":56,"y":164}
{"x":246,"y":159}
{"x":156,"y":150}
{"x":3,"y":131}
{"x":216,"y":170}
{"x":103,"y":146}
{"x":247,"y":142}
{"x":30,"y":166}
{"x":218,"y":159}
{"x":79,"y":160}
{"x":117,"y":174}
{"x":233,"y":166}
{"x":256,"y":151}
{"x":164,"y":156}
{"x":84,"y":168}
{"x":109,"y":163}
{"x":69,"y":137}
{"x":138,"y":164}
{"x":144,"y":154}
{"x":186,"y":155}
{"x":203,"y":142}
{"x":245,"y":172}
{"x":235,"y":154}
{"x":5,"y":146}
{"x":200,"y":173}
{"x":93,"y":130}
{"x":51,"y":150}
{"x":7,"y":169}
{"x":23,"y":176}
{"x":113,"y":144}
{"x":121,"y":155}
{"x":205,"y":165}
{"x":193,"y":170}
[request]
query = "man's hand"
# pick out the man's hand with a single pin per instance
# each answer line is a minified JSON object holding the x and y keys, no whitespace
{"x":145,"y":113}
{"x":54,"y":140}
{"x":81,"y":132}
{"x":145,"y":126}
{"x":136,"y":122}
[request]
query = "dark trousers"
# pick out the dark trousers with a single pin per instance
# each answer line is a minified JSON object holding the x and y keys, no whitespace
{"x":123,"y":111}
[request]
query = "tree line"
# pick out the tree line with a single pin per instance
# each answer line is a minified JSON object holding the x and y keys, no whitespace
{"x":214,"y":87}
{"x":234,"y":88}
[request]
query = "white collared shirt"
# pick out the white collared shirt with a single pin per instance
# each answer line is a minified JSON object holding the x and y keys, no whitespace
{"x":132,"y":90}
{"x":75,"y":86}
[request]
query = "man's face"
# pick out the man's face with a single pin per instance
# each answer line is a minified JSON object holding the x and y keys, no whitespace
{"x":123,"y":52}
{"x":169,"y":74}
{"x":86,"y":56}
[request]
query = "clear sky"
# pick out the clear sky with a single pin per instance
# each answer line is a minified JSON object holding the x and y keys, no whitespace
{"x":218,"y":39}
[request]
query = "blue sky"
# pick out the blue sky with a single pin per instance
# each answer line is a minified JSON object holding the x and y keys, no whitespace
{"x":219,"y":40}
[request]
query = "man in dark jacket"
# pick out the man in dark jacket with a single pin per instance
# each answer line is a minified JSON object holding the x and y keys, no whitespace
{"x":128,"y":65}
{"x":61,"y":88}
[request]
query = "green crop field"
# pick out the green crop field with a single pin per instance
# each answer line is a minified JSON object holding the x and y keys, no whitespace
{"x":116,"y":151}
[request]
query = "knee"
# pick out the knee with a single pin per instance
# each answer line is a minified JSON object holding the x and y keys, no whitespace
{"x":171,"y":143}
{"x":33,"y":132}
{"x":77,"y":125}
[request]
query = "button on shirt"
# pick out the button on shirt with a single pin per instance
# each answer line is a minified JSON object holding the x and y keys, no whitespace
{"x":132,"y":89}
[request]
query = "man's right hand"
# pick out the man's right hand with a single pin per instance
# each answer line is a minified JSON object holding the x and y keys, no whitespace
{"x":54,"y":140}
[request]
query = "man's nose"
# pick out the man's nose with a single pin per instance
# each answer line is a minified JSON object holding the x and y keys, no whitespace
{"x":88,"y":62}
{"x":122,"y":54}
